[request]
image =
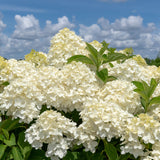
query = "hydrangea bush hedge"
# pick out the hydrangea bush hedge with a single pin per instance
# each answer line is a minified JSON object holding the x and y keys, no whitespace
{"x":79,"y":101}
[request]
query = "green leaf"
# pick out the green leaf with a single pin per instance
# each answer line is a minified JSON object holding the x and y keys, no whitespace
{"x":111,"y":65}
{"x":10,"y":124}
{"x":16,"y":153}
{"x":2,"y":137}
{"x":139,"y":85}
{"x":12,"y":141}
{"x":155,"y":100}
{"x":153,"y":85}
{"x":25,"y":147}
{"x":2,"y":150}
{"x":80,"y":58}
{"x":7,"y":154}
{"x":141,"y":93}
{"x":44,"y":108}
{"x":104,"y":58}
{"x":105,"y":47}
{"x":38,"y":155}
{"x":141,"y":89}
{"x":71,"y":156}
{"x":144,"y":104}
{"x":111,"y":78}
{"x":92,"y":50}
{"x":5,"y":132}
{"x":111,"y":50}
{"x":146,"y":91}
{"x":94,"y":56}
{"x":93,"y":59}
{"x":124,"y":157}
{"x":103,"y":74}
{"x":97,"y":156}
{"x":5,"y":83}
{"x":112,"y":56}
{"x":110,"y":151}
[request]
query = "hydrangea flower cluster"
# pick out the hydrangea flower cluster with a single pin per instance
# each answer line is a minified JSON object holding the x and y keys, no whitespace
{"x":67,"y":89}
{"x":133,"y":70}
{"x":121,"y":92}
{"x":111,"y":110}
{"x":38,"y":58}
{"x":54,"y":129}
{"x":101,"y":121}
{"x":64,"y":45}
{"x":140,"y":131}
{"x":22,"y":99}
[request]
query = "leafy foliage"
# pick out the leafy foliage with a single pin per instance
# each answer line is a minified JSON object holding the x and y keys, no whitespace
{"x":145,"y":91}
{"x":155,"y":61}
{"x":12,"y":133}
{"x":105,"y":151}
{"x":97,"y":58}
{"x":12,"y":142}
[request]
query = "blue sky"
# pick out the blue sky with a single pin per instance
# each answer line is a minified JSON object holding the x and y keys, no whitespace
{"x":27,"y":24}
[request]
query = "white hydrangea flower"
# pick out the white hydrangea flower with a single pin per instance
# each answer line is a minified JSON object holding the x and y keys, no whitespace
{"x":148,"y":158}
{"x":96,"y":45}
{"x":101,"y":121}
{"x":17,"y":69}
{"x":155,"y":153}
{"x":22,"y":99}
{"x":64,"y":45}
{"x":133,"y":147}
{"x":55,"y":130}
{"x":121,"y":92}
{"x":140,"y":130}
{"x":38,"y":58}
{"x":69,"y":88}
{"x":130,"y":70}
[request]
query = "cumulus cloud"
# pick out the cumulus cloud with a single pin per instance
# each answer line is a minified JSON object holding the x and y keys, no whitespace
{"x":27,"y":27}
{"x":28,"y":34}
{"x":51,"y":29}
{"x":132,"y":22}
{"x":123,"y":33}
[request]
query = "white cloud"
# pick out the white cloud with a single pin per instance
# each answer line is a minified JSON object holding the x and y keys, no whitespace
{"x":27,"y":27}
{"x":123,"y":33}
{"x":51,"y":29}
{"x":28,"y":34}
{"x":132,"y":22}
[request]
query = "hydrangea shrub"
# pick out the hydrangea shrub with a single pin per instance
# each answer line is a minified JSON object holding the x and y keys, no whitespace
{"x":43,"y":89}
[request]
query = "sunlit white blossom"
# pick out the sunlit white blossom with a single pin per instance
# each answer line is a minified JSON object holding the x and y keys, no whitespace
{"x":64,"y":45}
{"x":139,"y":131}
{"x":101,"y":121}
{"x":55,"y":130}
